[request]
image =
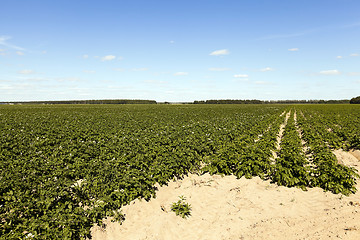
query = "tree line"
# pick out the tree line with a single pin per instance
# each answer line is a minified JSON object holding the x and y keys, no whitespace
{"x":111,"y":101}
{"x":255,"y":101}
{"x":355,"y":100}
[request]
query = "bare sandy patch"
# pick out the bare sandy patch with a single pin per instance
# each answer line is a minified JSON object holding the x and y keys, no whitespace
{"x":355,"y":153}
{"x":279,"y":137}
{"x":351,"y":158}
{"x":230,"y":208}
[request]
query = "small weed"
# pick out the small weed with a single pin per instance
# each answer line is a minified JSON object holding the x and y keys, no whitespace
{"x":181,"y":208}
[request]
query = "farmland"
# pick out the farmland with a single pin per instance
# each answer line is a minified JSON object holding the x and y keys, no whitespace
{"x":66,"y":167}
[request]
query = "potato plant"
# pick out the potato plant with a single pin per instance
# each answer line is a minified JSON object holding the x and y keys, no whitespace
{"x":64,"y":168}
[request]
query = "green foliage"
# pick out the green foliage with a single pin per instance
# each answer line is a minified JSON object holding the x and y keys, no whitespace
{"x":63,"y":168}
{"x":355,"y":100}
{"x":181,"y":208}
{"x":290,"y":168}
{"x":321,"y":127}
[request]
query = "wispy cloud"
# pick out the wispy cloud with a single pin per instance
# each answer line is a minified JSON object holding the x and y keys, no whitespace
{"x":219,"y":69}
{"x":139,"y":69}
{"x":154,"y":82}
{"x":20,"y":53}
{"x":267,"y":69}
{"x":308,"y":31}
{"x":85,"y":56}
{"x":241,"y":76}
{"x":351,"y":25}
{"x":33,"y":79}
{"x":293,"y":49}
{"x":330,"y":72}
{"x":69,"y":79}
{"x":261,"y":82}
{"x":2,"y":52}
{"x":220,"y":52}
{"x":108,"y":58}
{"x":119,"y":69}
{"x":4,"y":42}
{"x":26,"y":71}
{"x":354,"y":74}
{"x":89,"y":71}
{"x":354,"y":55}
{"x":17,"y":86}
{"x":288,"y":35}
{"x":339,"y":57}
{"x":181,"y":74}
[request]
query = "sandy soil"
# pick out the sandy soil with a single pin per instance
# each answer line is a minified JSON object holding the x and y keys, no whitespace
{"x":230,"y":208}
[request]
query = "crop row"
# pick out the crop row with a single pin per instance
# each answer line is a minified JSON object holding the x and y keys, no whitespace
{"x":327,"y":173}
{"x":291,"y":167}
{"x":65,"y":168}
{"x":250,"y":154}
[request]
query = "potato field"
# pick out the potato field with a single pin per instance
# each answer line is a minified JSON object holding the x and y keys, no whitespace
{"x":64,"y":168}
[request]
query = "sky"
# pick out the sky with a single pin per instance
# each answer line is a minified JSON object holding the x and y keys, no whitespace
{"x":179,"y":51}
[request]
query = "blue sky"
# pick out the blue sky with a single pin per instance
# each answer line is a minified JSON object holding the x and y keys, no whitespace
{"x":179,"y":50}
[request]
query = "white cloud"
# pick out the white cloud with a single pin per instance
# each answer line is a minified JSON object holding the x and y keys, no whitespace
{"x":241,"y":76}
{"x":33,"y":79}
{"x":181,"y":74}
{"x":154,"y":82}
{"x":139,"y":69}
{"x":354,"y":55}
{"x":220,"y":52}
{"x":354,"y":73}
{"x":119,"y":69}
{"x":267,"y":69}
{"x":108,"y":58}
{"x":293,"y":49}
{"x":19,"y":53}
{"x":261,"y":82}
{"x":89,"y":71}
{"x":69,"y":79}
{"x":26,"y":71}
{"x":172,"y":42}
{"x":219,"y":69}
{"x":339,"y":57}
{"x":279,"y":36}
{"x":3,"y":41}
{"x":330,"y":72}
{"x":85,"y":56}
{"x":17,"y":86}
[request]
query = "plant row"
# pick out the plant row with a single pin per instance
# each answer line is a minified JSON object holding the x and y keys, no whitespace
{"x":291,"y":167}
{"x":248,"y":155}
{"x":327,"y":173}
{"x":65,"y":168}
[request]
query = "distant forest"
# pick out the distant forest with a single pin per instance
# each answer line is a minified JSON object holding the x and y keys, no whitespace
{"x":114,"y":101}
{"x":355,"y":100}
{"x":230,"y":101}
